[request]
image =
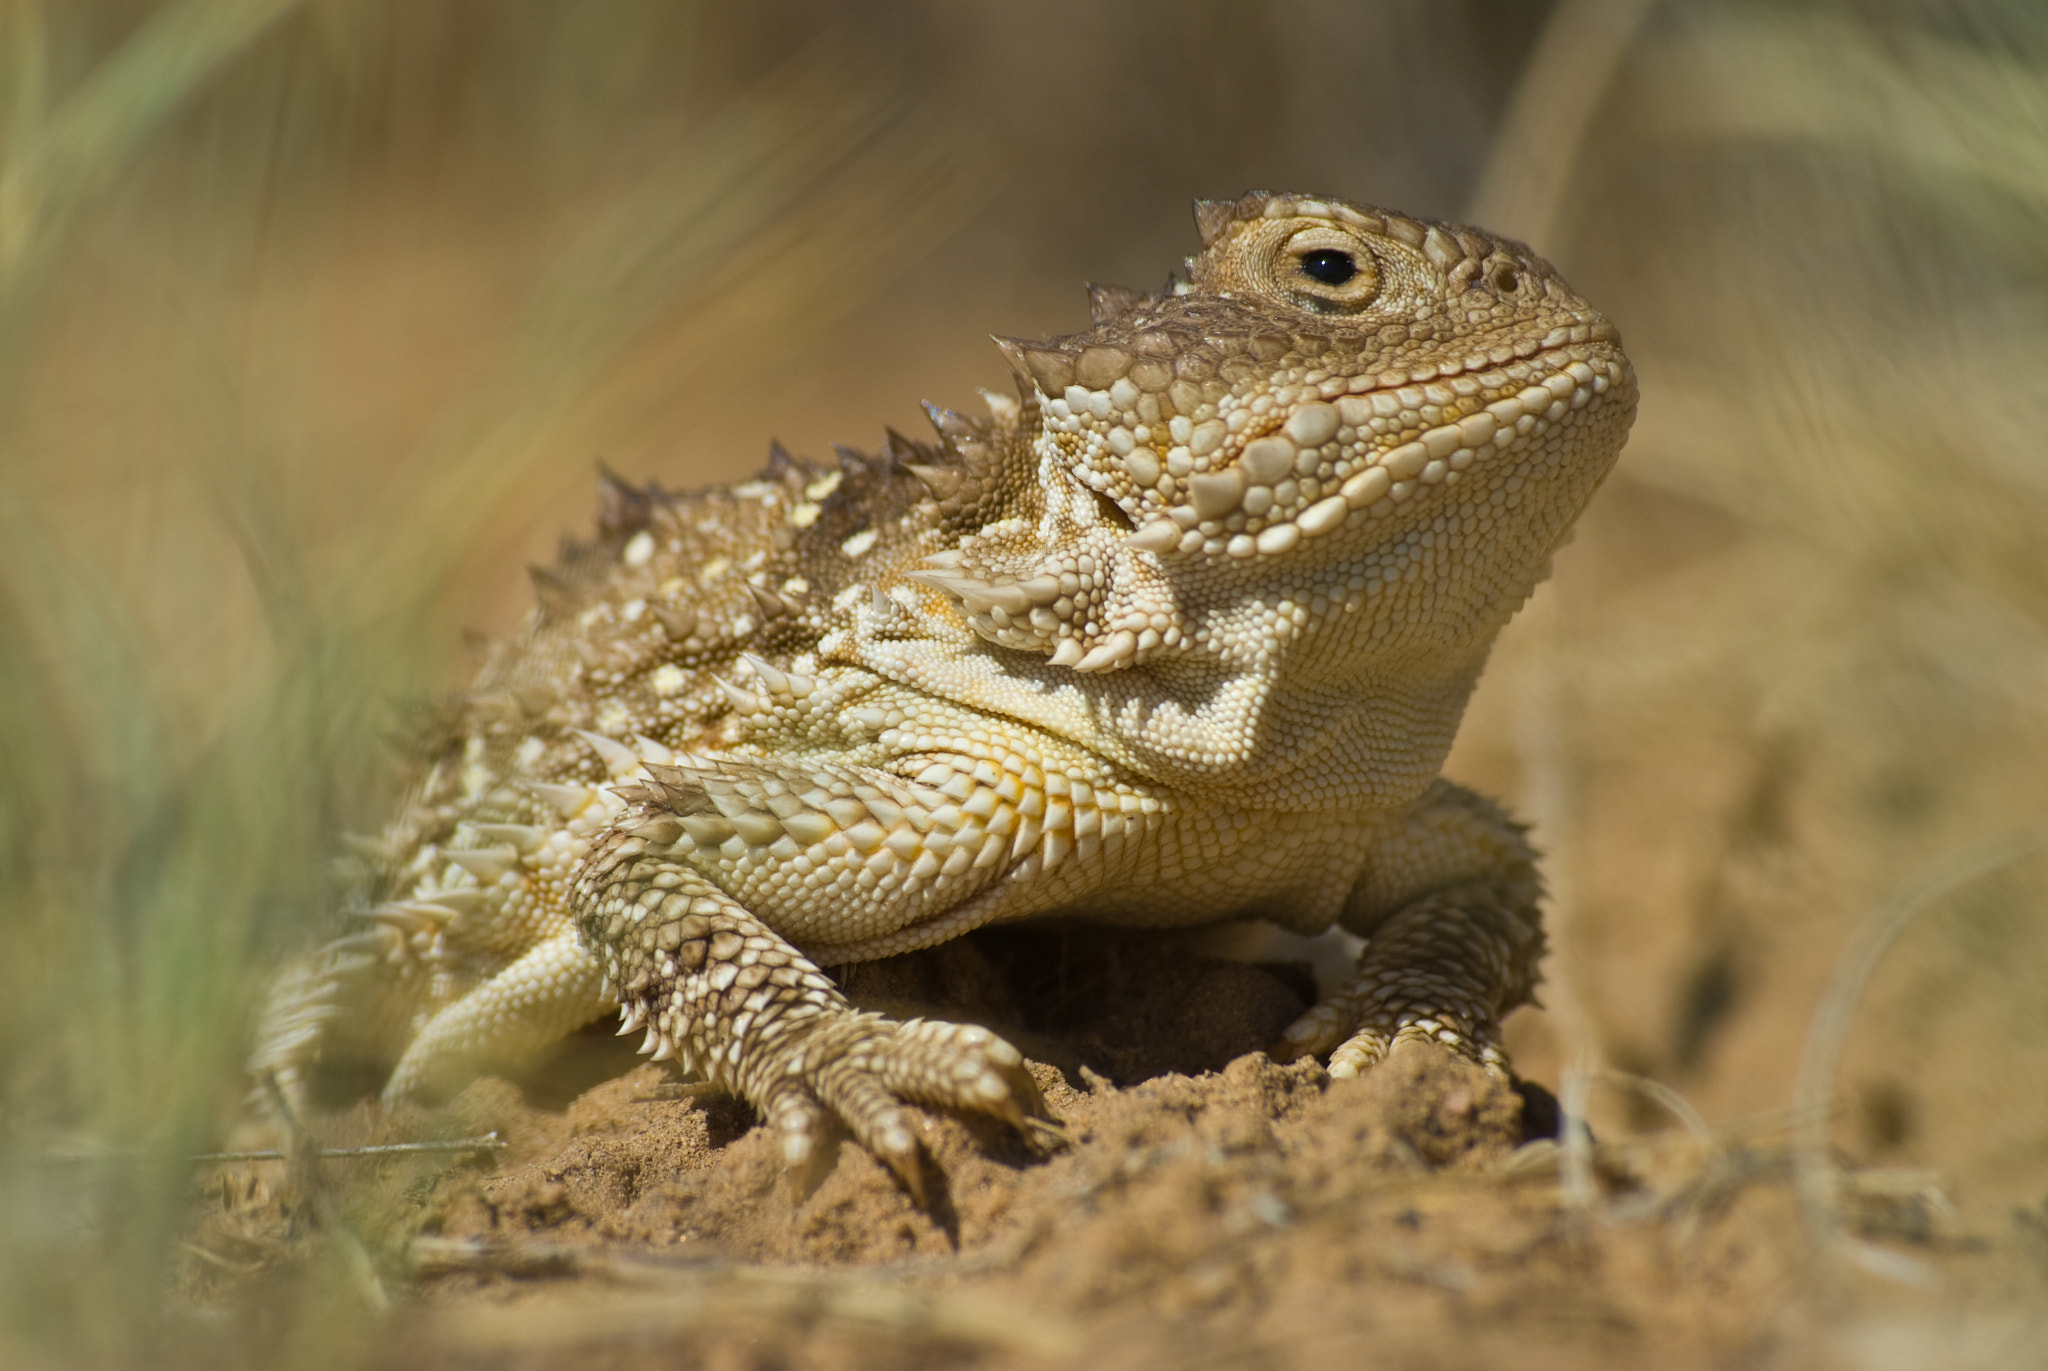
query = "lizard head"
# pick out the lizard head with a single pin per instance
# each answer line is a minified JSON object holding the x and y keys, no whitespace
{"x":1344,"y":421}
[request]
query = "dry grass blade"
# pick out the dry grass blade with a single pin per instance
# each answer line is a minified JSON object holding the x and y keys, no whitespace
{"x":174,"y":768}
{"x":706,"y":1298}
{"x":1529,"y":167}
{"x":1934,"y":104}
{"x":483,"y":1142}
{"x":56,"y":159}
{"x":1817,"y":1174}
{"x":1528,"y":171}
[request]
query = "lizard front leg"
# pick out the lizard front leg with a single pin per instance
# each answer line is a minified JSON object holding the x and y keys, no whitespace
{"x":1449,"y":910}
{"x":721,"y":990}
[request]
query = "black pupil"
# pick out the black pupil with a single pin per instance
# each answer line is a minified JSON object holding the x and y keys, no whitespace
{"x":1328,"y":265}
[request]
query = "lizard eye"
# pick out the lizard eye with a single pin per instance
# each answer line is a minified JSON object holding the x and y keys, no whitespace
{"x":1328,"y":265}
{"x":1325,"y":270}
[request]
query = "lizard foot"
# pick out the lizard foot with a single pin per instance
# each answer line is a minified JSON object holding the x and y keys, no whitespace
{"x":860,"y":1070}
{"x":738,"y":1005}
{"x":1443,"y":970}
{"x":1357,"y":1035}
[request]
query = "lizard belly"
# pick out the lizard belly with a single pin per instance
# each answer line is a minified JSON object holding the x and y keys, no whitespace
{"x":1182,"y":868}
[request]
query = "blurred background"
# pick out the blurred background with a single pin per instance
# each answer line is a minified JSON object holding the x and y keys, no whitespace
{"x":317,"y":318}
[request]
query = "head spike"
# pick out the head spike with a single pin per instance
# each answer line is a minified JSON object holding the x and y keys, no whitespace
{"x":522,"y":838}
{"x":769,"y":603}
{"x":498,"y":705}
{"x":552,"y":589}
{"x":400,"y":920}
{"x":452,"y":903}
{"x":678,"y":623}
{"x":620,"y":760}
{"x":345,"y":956}
{"x":1048,"y":369}
{"x":370,"y":848}
{"x":660,"y":830}
{"x":1107,"y":304}
{"x":743,"y":701}
{"x":1004,"y":409}
{"x":1013,"y":353}
{"x":776,"y":682}
{"x":488,"y":864}
{"x":942,"y":482}
{"x":622,"y":510}
{"x":855,"y":464}
{"x":535,"y":697}
{"x":675,"y":786}
{"x":1212,"y":217}
{"x":952,"y":425}
{"x":653,"y":750}
{"x":566,"y":800}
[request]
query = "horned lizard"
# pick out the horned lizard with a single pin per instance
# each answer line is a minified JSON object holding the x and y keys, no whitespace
{"x":1179,"y":635}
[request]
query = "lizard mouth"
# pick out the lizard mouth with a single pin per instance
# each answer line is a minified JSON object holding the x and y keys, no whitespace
{"x":1365,"y":453}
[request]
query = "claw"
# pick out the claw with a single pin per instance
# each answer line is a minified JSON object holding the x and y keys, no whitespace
{"x":894,"y":1145}
{"x":1313,"y":1034}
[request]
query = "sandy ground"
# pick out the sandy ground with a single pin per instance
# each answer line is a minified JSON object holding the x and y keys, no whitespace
{"x":1209,"y":1208}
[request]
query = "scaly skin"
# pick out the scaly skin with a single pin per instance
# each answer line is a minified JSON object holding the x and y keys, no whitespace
{"x":1180,"y":636}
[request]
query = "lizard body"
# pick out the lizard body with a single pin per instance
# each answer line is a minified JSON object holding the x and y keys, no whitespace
{"x":1180,"y":635}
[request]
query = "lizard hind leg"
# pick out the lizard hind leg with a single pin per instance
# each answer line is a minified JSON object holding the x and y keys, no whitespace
{"x":741,"y":1007}
{"x":549,"y":991}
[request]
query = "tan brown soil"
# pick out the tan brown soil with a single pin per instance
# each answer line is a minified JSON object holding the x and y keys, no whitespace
{"x":1209,"y":1208}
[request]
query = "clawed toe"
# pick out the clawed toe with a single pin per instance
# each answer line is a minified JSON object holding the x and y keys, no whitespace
{"x":861,"y":1070}
{"x":1313,"y":1034}
{"x":1358,"y":1053}
{"x":1355,"y":1041}
{"x":961,"y":1066}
